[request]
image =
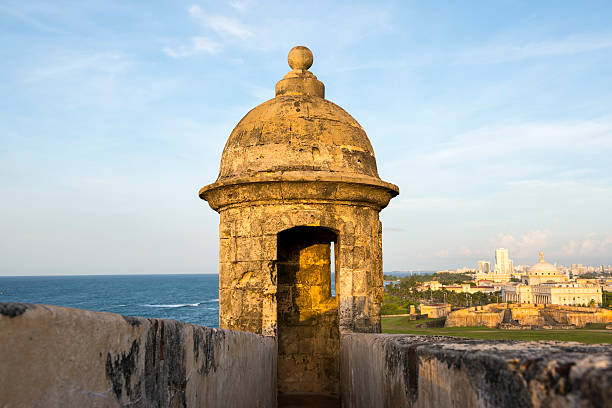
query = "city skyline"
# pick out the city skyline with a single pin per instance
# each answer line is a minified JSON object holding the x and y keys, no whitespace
{"x":485,"y":265}
{"x":493,"y":119}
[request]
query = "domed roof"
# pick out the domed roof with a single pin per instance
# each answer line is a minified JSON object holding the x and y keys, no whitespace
{"x":543,"y":268}
{"x":298,"y":133}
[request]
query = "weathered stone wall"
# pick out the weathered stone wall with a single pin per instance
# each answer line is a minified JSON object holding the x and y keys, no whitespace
{"x":579,"y":316}
{"x":380,"y":370}
{"x":253,"y":298}
{"x":528,"y":315}
{"x":435,"y":311}
{"x":604,"y":312}
{"x":308,"y":335}
{"x":473,"y":316}
{"x":59,"y":357}
{"x":248,"y":255}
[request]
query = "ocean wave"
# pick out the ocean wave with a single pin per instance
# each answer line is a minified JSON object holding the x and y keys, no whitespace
{"x":213,"y":300}
{"x":175,"y":305}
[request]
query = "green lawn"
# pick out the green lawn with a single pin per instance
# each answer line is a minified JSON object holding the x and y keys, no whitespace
{"x":402,"y":325}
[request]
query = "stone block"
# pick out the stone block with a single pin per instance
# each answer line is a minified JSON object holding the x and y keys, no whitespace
{"x":360,"y":283}
{"x":248,"y":249}
{"x":268,"y":247}
{"x":227,"y":250}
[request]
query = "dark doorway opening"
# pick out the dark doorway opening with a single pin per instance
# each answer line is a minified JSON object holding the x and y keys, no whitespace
{"x":307,"y":313}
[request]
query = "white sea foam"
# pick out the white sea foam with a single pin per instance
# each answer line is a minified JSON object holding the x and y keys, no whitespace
{"x":213,"y":300}
{"x":175,"y":305}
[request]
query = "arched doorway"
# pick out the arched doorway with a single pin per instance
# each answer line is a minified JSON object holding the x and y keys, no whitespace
{"x":307,"y":313}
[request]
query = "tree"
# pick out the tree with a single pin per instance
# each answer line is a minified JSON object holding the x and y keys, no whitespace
{"x":606,"y":300}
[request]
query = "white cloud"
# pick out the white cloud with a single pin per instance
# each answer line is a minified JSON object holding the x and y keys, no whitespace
{"x":104,"y":63}
{"x":523,"y":246}
{"x":592,"y":245}
{"x":442,"y":253}
{"x":495,"y":141}
{"x":220,"y":24}
{"x":241,"y":6}
{"x":508,"y":52}
{"x":199,"y":45}
{"x":108,"y":80}
{"x":29,"y":14}
{"x":302,"y":25}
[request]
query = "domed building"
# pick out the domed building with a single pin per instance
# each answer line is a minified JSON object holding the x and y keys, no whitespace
{"x":544,"y":284}
{"x":299,"y":197}
{"x":543,"y":272}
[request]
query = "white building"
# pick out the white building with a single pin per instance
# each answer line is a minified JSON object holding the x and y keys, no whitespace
{"x":503,"y":265}
{"x":502,"y":272}
{"x":568,"y":294}
{"x":543,"y":272}
{"x":545,"y":284}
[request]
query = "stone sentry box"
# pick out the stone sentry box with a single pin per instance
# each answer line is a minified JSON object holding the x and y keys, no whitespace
{"x":297,"y":174}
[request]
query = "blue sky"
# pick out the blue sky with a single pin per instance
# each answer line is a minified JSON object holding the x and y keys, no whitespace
{"x":493,"y":118}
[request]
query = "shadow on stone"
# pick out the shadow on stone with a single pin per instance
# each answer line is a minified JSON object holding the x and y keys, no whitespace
{"x":308,"y":400}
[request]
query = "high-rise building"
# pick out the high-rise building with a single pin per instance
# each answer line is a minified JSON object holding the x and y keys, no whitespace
{"x":503,"y":265}
{"x":484,"y":267}
{"x":502,"y":271}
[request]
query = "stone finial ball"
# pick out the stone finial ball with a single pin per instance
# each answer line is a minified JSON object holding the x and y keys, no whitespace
{"x":300,"y":58}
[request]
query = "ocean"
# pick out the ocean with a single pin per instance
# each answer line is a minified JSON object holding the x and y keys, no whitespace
{"x":188,"y":298}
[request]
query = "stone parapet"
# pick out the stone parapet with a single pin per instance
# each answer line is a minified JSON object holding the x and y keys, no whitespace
{"x":379,"y":370}
{"x":59,"y":357}
{"x":54,"y":356}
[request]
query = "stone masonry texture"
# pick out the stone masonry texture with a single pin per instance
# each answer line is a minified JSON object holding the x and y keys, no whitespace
{"x":297,"y":174}
{"x":438,"y":372}
{"x":59,"y":357}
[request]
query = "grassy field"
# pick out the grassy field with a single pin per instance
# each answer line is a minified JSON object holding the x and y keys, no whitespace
{"x":592,"y":335}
